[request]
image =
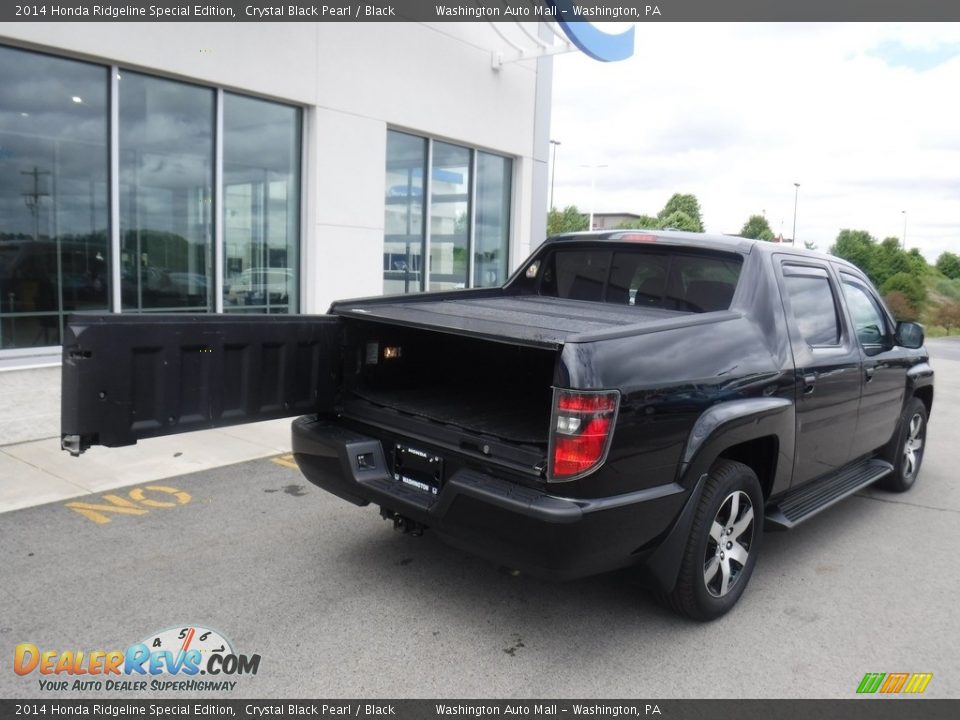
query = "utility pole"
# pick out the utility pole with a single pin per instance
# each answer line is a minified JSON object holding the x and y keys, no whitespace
{"x":553,"y":169}
{"x":593,"y":190}
{"x":796,"y":192}
{"x":32,"y":199}
{"x":904,"y":242}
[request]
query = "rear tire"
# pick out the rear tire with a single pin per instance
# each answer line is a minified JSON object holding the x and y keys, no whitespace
{"x":911,"y":439}
{"x":723,"y":545}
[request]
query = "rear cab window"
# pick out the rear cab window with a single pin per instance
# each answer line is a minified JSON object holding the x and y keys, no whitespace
{"x":669,"y":279}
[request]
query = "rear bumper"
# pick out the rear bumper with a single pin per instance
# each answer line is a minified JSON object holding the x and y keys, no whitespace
{"x":517,"y":526}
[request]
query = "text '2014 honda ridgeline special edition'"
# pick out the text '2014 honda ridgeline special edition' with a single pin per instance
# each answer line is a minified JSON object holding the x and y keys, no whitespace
{"x":628,"y":398}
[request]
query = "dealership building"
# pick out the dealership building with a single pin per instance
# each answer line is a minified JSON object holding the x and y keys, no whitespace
{"x":256,"y":168}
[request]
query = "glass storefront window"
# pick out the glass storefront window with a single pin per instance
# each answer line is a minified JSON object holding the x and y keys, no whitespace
{"x":459,"y":224}
{"x":492,"y":233}
{"x":404,"y":211}
{"x":54,"y":201}
{"x":261,"y":197}
{"x":449,"y":216}
{"x":166,"y":194}
{"x":56,"y":237}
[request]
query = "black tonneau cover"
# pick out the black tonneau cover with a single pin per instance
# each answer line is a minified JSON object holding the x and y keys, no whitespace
{"x":530,"y":320}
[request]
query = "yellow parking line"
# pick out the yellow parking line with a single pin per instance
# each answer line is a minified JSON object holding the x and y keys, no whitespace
{"x":286,"y":460}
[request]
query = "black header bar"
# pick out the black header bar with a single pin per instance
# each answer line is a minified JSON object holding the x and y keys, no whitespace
{"x":597,"y":11}
{"x":213,"y":709}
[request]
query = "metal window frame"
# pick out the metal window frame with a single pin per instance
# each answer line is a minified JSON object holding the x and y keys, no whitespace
{"x":304,"y":128}
{"x":472,"y":216}
{"x":217,"y":215}
{"x":113,"y":177}
{"x":426,"y":264}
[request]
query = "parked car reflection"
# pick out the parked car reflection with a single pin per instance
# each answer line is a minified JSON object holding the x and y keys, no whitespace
{"x":260,"y":286}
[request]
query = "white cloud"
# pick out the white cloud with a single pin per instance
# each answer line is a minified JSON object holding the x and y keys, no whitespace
{"x":736,"y":113}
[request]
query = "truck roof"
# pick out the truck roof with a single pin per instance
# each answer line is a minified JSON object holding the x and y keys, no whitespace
{"x":706,"y":241}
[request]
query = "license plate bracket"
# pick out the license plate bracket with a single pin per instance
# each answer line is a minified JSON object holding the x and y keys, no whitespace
{"x":418,"y":469}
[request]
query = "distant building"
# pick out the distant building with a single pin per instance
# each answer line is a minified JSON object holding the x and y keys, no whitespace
{"x":611,"y":221}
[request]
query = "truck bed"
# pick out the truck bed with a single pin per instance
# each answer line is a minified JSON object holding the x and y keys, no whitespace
{"x":524,"y":319}
{"x":475,"y":409}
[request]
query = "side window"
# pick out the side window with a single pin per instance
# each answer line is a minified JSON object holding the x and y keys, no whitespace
{"x":813,"y":304}
{"x":868,"y":320}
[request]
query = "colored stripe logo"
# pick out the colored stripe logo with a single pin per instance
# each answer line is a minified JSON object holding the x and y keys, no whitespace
{"x":894,"y":683}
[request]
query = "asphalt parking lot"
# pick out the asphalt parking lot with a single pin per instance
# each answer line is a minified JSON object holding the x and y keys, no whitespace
{"x":339,"y":605}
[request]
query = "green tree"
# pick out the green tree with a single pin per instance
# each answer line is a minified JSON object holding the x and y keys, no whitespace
{"x":856,"y":246}
{"x":683,"y":203}
{"x":918,"y":262}
{"x":910,"y":285}
{"x":948,"y":315}
{"x":679,"y":220}
{"x":565,"y":221}
{"x":644,"y":222}
{"x":949,"y":264}
{"x":888,"y":259}
{"x":757,"y":228}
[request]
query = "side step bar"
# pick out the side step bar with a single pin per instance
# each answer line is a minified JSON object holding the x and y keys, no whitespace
{"x":806,"y":501}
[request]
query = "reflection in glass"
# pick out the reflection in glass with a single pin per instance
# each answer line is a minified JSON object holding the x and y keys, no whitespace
{"x":814,"y":309}
{"x":492,"y":234}
{"x":867,"y":317}
{"x":166,"y":192}
{"x":261,"y":197}
{"x":54,"y":246}
{"x":403,"y":214}
{"x":449,"y":216}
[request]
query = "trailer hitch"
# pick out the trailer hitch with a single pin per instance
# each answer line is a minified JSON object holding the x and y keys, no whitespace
{"x":403,"y":523}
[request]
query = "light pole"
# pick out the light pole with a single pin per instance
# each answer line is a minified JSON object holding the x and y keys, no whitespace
{"x":904,"y":243}
{"x":553,"y":169}
{"x":796,"y":192}
{"x":593,"y":190}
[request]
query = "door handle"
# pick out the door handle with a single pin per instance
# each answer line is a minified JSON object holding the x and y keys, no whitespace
{"x":809,"y":383}
{"x":868,"y":371}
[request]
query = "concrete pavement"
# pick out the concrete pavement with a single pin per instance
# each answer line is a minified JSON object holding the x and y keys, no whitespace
{"x":37,"y":472}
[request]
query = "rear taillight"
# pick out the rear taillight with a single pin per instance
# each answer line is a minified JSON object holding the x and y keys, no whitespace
{"x":582,"y":428}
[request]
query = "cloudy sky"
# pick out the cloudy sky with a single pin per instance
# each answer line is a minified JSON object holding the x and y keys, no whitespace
{"x":866,"y":117}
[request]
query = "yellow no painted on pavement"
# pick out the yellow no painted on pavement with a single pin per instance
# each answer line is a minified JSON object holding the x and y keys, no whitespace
{"x":139,"y":501}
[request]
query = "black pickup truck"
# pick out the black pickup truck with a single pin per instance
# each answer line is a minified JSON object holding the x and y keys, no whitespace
{"x":628,"y":398}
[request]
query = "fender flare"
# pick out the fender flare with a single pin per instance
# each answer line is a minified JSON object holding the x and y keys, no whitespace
{"x":735,"y":422}
{"x":918,"y":376}
{"x":719,"y":427}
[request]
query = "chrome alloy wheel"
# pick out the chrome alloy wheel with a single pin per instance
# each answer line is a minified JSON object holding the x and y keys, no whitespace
{"x":728,"y":546}
{"x":913,"y":447}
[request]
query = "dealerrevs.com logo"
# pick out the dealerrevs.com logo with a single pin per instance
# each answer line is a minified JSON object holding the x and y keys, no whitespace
{"x":170,"y":660}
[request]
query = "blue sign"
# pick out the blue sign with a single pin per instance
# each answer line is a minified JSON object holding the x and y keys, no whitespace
{"x":599,"y":45}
